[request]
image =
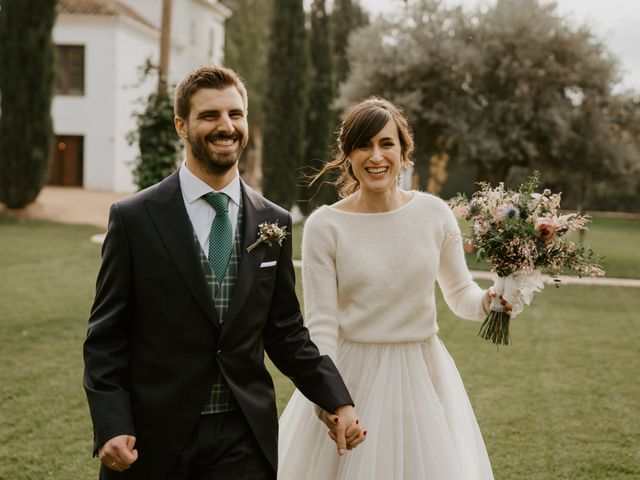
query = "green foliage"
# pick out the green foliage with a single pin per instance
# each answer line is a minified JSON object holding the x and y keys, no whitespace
{"x":612,"y":196}
{"x":346,"y":17}
{"x":508,"y":86}
{"x":26,"y":80}
{"x":245,"y":49}
{"x":319,"y":116}
{"x":157,"y":139}
{"x":284,"y":110}
{"x":604,"y":149}
{"x":534,"y":64}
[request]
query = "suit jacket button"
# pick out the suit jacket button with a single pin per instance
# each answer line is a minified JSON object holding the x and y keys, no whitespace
{"x":219,"y":353}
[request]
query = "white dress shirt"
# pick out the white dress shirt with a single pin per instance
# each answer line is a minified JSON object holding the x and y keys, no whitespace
{"x":200,"y":212}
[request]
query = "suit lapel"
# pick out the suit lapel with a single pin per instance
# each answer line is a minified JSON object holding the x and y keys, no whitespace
{"x":171,"y":220}
{"x":254,"y":214}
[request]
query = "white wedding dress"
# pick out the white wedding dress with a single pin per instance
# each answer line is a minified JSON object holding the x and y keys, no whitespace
{"x":369,"y":304}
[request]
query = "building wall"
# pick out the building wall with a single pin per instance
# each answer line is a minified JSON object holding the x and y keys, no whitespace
{"x":90,"y":115}
{"x":134,"y":44}
{"x":115,"y":49}
{"x":197,"y":36}
{"x":193,"y":24}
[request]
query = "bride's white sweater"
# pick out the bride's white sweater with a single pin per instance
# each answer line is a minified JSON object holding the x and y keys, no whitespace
{"x":370,"y":277}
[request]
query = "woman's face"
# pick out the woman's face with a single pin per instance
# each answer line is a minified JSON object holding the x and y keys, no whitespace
{"x":376,"y":162}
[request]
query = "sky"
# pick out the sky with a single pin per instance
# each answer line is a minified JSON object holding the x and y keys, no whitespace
{"x":615,"y":22}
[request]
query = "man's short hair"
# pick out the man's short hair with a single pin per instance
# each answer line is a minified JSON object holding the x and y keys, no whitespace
{"x":215,"y":77}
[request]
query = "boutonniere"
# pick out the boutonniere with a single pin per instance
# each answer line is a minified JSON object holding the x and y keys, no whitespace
{"x":268,"y":233}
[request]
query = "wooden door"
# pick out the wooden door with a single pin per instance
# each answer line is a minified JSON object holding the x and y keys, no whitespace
{"x":67,"y":166}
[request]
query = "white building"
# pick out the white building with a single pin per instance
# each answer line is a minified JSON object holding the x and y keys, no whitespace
{"x":101,"y":45}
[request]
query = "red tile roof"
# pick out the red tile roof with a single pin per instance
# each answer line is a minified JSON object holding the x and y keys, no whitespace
{"x":109,"y":8}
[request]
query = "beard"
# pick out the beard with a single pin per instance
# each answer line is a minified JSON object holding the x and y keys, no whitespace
{"x":213,"y":162}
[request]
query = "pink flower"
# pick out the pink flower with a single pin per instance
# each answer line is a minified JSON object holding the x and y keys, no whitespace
{"x":461,"y":211}
{"x":545,"y":228}
{"x":468,"y":246}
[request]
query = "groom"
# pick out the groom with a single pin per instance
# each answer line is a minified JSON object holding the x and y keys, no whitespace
{"x":184,"y":312}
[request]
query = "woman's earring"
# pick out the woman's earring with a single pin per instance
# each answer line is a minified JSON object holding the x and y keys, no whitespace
{"x":349,"y":167}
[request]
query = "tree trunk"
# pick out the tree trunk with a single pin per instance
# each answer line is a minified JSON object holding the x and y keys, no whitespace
{"x":251,"y":161}
{"x":165,"y":48}
{"x":583,"y":201}
{"x":438,"y":173}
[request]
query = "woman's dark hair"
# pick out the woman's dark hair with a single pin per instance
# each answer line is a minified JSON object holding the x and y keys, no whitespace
{"x":360,"y":123}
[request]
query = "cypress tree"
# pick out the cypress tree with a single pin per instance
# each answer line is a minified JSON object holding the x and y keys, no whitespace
{"x":346,"y":17}
{"x":26,"y":82}
{"x":284,"y":105}
{"x":319,"y":117}
{"x":245,"y":50}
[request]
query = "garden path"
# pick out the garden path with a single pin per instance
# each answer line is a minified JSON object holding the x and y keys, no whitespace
{"x":81,"y":206}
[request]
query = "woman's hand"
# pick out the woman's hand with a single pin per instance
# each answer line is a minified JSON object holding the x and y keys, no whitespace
{"x":489,"y":295}
{"x":344,"y":428}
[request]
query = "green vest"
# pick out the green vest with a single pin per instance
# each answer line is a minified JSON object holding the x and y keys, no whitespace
{"x":221,"y":399}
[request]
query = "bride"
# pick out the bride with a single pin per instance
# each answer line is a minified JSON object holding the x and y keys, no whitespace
{"x":370,"y":264}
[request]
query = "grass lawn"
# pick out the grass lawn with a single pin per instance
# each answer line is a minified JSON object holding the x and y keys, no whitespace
{"x":562,"y":403}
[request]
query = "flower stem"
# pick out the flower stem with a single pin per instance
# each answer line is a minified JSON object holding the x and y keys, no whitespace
{"x":496,"y":328}
{"x":254,"y":245}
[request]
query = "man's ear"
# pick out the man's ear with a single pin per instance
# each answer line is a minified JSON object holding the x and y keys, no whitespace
{"x":181,"y":126}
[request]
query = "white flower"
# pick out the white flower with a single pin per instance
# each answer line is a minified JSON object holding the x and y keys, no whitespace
{"x":506,"y":212}
{"x":480,"y":227}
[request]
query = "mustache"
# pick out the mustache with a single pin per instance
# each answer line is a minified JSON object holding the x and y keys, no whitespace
{"x":223,"y":136}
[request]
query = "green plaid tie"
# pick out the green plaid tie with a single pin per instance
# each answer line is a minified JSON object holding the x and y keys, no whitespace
{"x":220,"y":238}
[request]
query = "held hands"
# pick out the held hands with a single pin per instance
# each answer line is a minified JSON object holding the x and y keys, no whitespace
{"x":344,"y":428}
{"x":118,"y":453}
{"x":489,"y":295}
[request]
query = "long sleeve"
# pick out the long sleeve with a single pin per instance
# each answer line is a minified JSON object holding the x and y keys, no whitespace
{"x":320,"y":285}
{"x":462,"y":294}
{"x":289,"y":346}
{"x":106,"y":350}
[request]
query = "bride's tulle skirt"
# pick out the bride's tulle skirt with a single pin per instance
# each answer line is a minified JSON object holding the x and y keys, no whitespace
{"x":410,"y":398}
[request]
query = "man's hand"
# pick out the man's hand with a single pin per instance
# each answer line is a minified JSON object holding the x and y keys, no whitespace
{"x":344,"y":428}
{"x":118,"y":453}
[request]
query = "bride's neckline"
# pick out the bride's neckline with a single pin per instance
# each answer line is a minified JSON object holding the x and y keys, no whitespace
{"x":395,"y":210}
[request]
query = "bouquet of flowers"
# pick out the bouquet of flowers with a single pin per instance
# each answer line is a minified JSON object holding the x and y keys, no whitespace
{"x":522,"y":235}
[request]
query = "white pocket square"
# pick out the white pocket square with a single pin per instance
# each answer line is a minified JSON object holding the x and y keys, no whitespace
{"x":268,"y":264}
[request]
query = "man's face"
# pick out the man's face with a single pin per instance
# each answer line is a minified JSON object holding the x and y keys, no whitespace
{"x":217,"y":130}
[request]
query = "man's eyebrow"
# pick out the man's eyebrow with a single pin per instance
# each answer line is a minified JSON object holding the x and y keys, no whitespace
{"x":206,"y":113}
